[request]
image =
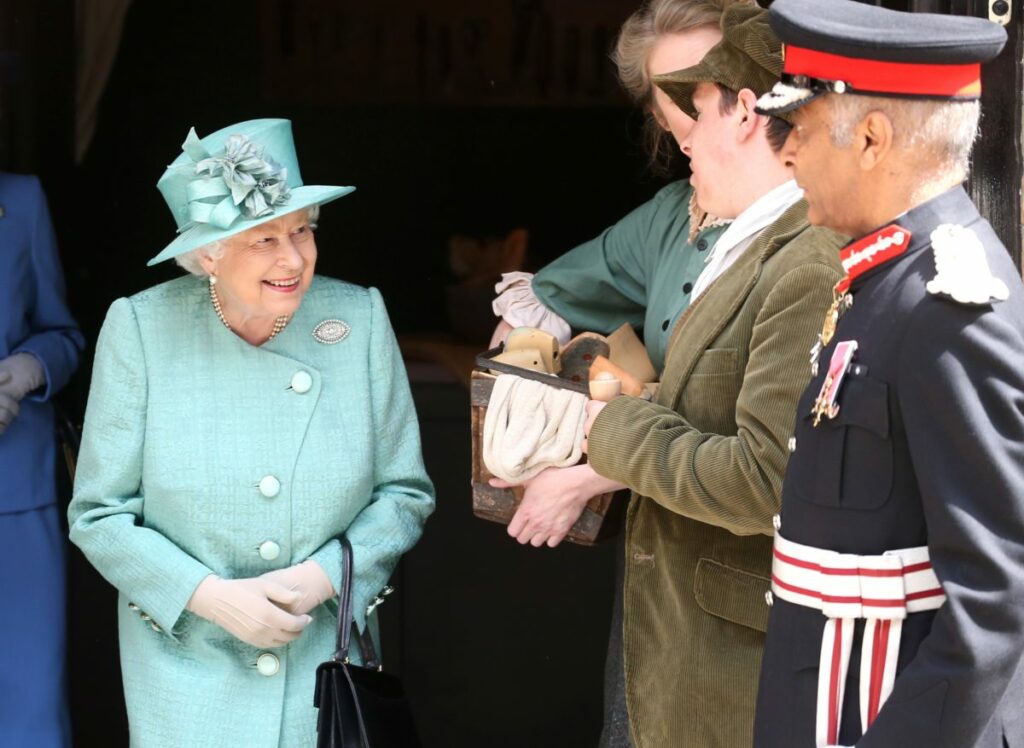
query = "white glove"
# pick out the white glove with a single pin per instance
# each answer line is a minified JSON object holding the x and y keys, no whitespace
{"x":8,"y":404}
{"x":519,"y":306}
{"x":251,"y":610}
{"x":309,"y":580}
{"x":25,"y":374}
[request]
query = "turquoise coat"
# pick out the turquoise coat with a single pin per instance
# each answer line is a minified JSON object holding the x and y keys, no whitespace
{"x":199,"y":449}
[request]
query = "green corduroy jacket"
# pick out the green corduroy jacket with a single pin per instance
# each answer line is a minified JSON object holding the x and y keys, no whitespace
{"x":705,"y":462}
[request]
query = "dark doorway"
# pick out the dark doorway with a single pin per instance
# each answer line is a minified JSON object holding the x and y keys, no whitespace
{"x":451,"y":117}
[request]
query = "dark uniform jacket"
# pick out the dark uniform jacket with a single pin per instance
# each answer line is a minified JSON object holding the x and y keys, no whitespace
{"x":927,"y":449}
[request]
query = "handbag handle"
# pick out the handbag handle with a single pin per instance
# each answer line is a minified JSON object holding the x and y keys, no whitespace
{"x":346,"y":621}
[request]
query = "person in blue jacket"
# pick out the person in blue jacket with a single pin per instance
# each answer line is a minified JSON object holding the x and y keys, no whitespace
{"x":240,"y":420}
{"x":40,"y":345}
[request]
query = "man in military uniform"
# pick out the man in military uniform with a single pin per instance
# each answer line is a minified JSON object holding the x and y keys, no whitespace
{"x":898,"y":573}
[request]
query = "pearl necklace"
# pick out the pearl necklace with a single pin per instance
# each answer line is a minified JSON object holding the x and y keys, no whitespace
{"x":279,"y":323}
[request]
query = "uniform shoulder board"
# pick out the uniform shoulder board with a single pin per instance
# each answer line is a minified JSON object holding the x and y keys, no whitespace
{"x":961,"y":270}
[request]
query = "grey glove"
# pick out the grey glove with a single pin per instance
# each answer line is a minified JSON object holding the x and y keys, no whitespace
{"x":8,"y":405}
{"x":25,"y":374}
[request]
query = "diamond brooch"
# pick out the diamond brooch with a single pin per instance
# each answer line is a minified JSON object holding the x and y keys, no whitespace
{"x":331,"y":331}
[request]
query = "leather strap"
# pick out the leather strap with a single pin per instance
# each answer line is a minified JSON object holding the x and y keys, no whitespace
{"x":346,"y":621}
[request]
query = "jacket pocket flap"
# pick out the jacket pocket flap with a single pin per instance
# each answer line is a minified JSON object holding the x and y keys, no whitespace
{"x":715,"y":361}
{"x":734,"y":595}
{"x":865,"y":403}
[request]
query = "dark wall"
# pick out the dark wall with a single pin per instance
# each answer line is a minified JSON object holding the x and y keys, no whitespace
{"x":423,"y":172}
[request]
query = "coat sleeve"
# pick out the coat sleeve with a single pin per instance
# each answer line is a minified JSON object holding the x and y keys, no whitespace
{"x":403,"y":496}
{"x":603,"y":283}
{"x":55,"y":340}
{"x":108,"y":505}
{"x":729,"y":481}
{"x":961,"y":394}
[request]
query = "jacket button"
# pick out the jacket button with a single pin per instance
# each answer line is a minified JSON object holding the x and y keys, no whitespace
{"x":792,"y":444}
{"x":270,"y":486}
{"x":268,"y":664}
{"x":702,"y":245}
{"x":777,"y":522}
{"x":687,"y":287}
{"x":302,"y":382}
{"x":269,"y":550}
{"x":769,"y":600}
{"x":664,"y":325}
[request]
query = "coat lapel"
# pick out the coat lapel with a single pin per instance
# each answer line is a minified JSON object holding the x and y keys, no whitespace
{"x":705,"y":320}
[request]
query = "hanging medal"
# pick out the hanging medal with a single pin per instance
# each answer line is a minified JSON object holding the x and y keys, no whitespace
{"x":827,"y":402}
{"x":841,"y":301}
{"x":857,"y":258}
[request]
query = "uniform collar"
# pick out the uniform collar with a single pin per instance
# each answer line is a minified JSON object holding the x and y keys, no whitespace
{"x":952,"y":206}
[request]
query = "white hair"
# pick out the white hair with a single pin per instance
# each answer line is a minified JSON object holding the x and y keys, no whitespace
{"x":215,"y":250}
{"x":946,"y":130}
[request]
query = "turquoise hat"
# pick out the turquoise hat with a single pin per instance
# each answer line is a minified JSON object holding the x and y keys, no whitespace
{"x":236,"y":178}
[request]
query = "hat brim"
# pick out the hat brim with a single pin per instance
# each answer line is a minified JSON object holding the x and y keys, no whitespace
{"x":784,"y":98}
{"x":201,"y":234}
{"x":681,"y":84}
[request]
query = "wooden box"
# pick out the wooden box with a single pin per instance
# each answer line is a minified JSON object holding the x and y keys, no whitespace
{"x":603,"y":516}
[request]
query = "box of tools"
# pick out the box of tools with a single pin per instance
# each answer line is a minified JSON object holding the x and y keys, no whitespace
{"x":589,"y":364}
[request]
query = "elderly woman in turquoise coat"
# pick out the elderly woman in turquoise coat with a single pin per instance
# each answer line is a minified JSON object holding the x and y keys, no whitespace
{"x":240,"y":420}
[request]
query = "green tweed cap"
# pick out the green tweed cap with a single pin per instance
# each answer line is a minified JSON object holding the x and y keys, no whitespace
{"x":749,"y":56}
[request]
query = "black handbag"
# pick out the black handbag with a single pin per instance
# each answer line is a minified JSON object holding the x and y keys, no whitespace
{"x":360,"y":706}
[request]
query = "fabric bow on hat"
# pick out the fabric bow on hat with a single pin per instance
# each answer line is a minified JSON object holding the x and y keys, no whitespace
{"x":244,"y":181}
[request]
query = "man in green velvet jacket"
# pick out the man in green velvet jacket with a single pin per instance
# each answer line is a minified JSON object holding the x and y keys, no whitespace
{"x":706,"y":459}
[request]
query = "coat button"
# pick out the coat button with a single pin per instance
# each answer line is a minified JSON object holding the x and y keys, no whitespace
{"x":702,"y":245}
{"x":769,"y":600}
{"x":664,"y":325}
{"x":269,"y":550}
{"x":792,"y":444}
{"x":687,"y":287}
{"x":268,"y":664}
{"x":302,"y":382}
{"x":270,"y":486}
{"x":777,"y":522}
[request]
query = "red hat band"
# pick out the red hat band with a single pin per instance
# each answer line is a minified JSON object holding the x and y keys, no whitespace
{"x":875,"y":76}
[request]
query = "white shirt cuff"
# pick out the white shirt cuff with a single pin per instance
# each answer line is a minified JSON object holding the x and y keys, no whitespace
{"x":518,"y":305}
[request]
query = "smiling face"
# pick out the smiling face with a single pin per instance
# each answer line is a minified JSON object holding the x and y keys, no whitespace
{"x":827,"y":173}
{"x":265,"y":271}
{"x":673,"y":52}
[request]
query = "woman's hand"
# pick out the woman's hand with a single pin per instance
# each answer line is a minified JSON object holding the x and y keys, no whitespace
{"x":8,"y":404}
{"x":553,"y":501}
{"x":500,"y":333}
{"x":252,"y":610}
{"x":309,"y":580}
